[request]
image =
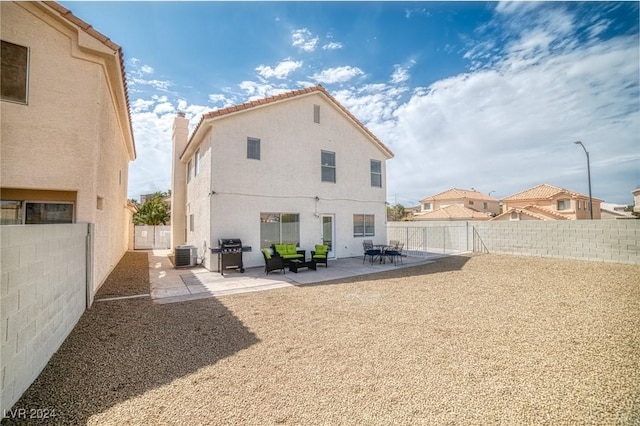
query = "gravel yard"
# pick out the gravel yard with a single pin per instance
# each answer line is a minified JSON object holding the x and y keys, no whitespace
{"x":482,"y":339}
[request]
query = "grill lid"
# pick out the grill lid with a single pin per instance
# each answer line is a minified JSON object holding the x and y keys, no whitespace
{"x":229,"y":242}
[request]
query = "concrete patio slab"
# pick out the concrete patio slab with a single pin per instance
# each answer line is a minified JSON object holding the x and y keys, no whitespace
{"x":169,"y":284}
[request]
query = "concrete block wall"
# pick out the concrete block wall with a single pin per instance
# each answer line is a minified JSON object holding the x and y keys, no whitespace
{"x":596,"y":240}
{"x":43,"y":295}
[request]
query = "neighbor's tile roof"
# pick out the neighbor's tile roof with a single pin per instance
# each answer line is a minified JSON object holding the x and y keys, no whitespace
{"x":88,"y":29}
{"x":281,"y":97}
{"x":536,"y":212}
{"x":541,"y":192}
{"x":452,"y":212}
{"x":457,"y":194}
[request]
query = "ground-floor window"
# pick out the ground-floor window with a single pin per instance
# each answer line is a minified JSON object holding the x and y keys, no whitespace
{"x":30,"y":212}
{"x":364,"y":225}
{"x":279,"y":228}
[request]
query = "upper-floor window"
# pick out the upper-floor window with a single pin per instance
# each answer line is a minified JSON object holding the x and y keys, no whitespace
{"x":564,"y":204}
{"x":485,"y":206}
{"x":316,"y":113}
{"x":14,"y":73}
{"x":253,"y":148}
{"x":189,"y":168}
{"x":328,"y":166}
{"x":426,"y":206}
{"x":376,"y":173}
{"x":470,"y":202}
{"x":196,"y":161}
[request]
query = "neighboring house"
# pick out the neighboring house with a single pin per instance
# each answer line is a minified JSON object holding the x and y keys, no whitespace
{"x":458,"y":204}
{"x":296,"y":168}
{"x":452,"y":212}
{"x":66,"y":129}
{"x":615,"y":211}
{"x":548,"y":202}
{"x":636,"y":200}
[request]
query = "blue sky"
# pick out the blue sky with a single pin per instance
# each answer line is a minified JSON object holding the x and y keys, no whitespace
{"x":478,"y":95}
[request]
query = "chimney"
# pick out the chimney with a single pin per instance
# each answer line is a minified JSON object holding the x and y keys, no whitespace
{"x":179,"y":181}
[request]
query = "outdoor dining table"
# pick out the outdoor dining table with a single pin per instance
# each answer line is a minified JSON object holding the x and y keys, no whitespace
{"x":383,"y":248}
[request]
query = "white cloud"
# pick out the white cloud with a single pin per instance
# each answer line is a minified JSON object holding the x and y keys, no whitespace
{"x":337,"y":74}
{"x":303,"y":39}
{"x":146,"y":69}
{"x":281,"y":70}
{"x":401,"y":73}
{"x":513,"y":126}
{"x":256,"y":90}
{"x":332,"y":46}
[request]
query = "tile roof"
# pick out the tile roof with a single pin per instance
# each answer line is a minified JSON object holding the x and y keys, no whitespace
{"x":456,"y":194}
{"x":88,"y":29}
{"x":452,"y":212}
{"x":282,"y":97}
{"x":544,"y":191}
{"x":536,"y":212}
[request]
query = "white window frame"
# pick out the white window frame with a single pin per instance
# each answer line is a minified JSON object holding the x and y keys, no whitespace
{"x":26,"y":202}
{"x":566,"y":203}
{"x":189,"y":168}
{"x":196,"y":163}
{"x":368,"y":225}
{"x":376,"y":175}
{"x":328,"y":166}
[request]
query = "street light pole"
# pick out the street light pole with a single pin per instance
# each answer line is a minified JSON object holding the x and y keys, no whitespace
{"x":588,"y":177}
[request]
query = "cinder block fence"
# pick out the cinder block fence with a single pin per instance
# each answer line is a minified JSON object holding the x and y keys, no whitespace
{"x":595,"y":240}
{"x":43,"y":295}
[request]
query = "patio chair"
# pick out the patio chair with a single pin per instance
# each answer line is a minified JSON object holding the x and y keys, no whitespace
{"x":370,"y":251}
{"x":395,"y":254}
{"x":272,"y":263}
{"x":320,"y":255}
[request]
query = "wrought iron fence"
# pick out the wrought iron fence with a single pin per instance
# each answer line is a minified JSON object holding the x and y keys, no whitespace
{"x":428,"y":239}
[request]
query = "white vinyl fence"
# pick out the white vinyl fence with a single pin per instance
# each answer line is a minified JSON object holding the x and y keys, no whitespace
{"x":147,"y":237}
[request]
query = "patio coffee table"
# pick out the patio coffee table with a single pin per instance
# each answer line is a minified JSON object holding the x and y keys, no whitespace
{"x":296,"y":264}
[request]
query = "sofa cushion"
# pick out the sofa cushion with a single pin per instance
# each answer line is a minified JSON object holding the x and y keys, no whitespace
{"x":291,"y":249}
{"x":321,"y":250}
{"x":281,"y":249}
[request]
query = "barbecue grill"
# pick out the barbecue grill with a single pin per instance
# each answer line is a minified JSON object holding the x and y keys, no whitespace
{"x":229,"y":252}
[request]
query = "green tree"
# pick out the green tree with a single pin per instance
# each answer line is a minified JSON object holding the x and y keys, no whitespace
{"x":395,"y":213}
{"x":154,"y":211}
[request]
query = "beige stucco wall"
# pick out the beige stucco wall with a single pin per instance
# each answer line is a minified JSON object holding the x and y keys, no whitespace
{"x":286,"y":179}
{"x":70,"y":136}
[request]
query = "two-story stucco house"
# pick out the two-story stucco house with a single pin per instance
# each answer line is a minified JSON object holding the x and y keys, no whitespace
{"x":548,"y":202}
{"x":458,"y":204}
{"x":66,"y":130}
{"x":296,"y":168}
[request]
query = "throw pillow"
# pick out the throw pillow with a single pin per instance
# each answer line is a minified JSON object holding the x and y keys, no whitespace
{"x":321,"y":250}
{"x":267,"y":253}
{"x":291,"y":249}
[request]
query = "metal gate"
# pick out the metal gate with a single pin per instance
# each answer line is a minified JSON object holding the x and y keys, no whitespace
{"x":423,"y":240}
{"x":146,"y":237}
